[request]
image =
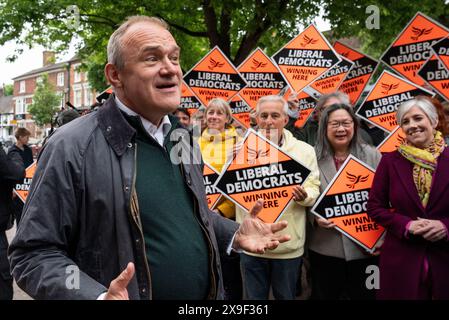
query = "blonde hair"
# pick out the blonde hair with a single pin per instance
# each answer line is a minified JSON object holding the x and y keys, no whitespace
{"x":115,"y":41}
{"x":222,"y":106}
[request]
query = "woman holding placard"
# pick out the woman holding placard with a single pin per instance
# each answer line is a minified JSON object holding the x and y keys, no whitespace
{"x":338,"y":265}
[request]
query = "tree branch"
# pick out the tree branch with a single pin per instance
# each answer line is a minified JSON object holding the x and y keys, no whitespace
{"x":184,"y":29}
{"x":263,"y":23}
{"x":211,"y":23}
{"x":106,"y":21}
{"x":225,"y":28}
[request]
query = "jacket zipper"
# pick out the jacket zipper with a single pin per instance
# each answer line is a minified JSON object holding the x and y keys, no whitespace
{"x":135,"y":213}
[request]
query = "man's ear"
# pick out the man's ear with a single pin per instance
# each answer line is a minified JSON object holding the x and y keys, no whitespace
{"x":112,"y":75}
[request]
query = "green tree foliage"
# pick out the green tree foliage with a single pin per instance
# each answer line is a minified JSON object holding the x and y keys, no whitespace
{"x":8,"y":90}
{"x":237,"y":26}
{"x":45,"y":102}
{"x":348,"y":18}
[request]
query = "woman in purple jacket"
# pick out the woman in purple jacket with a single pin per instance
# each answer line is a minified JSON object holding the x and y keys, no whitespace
{"x":410,"y":198}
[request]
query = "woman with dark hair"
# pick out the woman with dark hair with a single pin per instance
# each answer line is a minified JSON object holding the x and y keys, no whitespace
{"x":409,"y":198}
{"x":338,"y":265}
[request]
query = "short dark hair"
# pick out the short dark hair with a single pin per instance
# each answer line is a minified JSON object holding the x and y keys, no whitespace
{"x":66,"y":116}
{"x":182,"y":110}
{"x":22,"y":132}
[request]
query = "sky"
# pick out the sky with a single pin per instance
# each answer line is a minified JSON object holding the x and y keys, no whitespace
{"x":31,"y":59}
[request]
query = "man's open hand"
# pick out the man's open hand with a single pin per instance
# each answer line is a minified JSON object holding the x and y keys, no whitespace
{"x":256,"y":236}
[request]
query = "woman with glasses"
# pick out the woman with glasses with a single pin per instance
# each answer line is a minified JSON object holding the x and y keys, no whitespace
{"x":338,"y":265}
{"x":409,"y":198}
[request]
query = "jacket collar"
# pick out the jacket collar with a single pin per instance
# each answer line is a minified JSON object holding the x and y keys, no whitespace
{"x":117,"y":131}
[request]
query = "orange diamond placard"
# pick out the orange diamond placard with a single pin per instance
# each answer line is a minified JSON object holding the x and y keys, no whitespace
{"x":188,"y":99}
{"x":22,"y":189}
{"x":210,"y":175}
{"x":307,"y":105}
{"x":392,"y":141}
{"x":360,"y":74}
{"x":441,"y":49}
{"x":387,"y":94}
{"x":332,"y":79}
{"x":214,"y":76}
{"x":344,"y":203}
{"x":413,"y":45}
{"x":305,"y":58}
{"x":240,"y":111}
{"x":435,"y":74}
{"x":260,"y":170}
{"x":262,"y":76}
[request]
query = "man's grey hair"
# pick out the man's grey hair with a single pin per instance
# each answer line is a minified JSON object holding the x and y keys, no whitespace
{"x":422,"y":103}
{"x":342,"y":97}
{"x":115,"y":56}
{"x":272,"y":98}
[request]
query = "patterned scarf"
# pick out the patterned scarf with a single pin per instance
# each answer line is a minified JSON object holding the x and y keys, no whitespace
{"x":425,"y":162}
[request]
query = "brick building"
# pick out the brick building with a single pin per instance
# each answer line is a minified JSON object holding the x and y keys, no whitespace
{"x":69,"y":81}
{"x":7,"y":122}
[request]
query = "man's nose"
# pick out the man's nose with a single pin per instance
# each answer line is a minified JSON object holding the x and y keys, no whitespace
{"x":169,"y":67}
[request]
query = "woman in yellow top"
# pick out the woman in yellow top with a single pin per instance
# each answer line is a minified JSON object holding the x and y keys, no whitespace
{"x":217,"y":143}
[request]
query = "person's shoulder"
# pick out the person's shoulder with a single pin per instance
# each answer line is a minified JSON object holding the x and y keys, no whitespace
{"x":75,"y":133}
{"x":296,"y":143}
{"x":13,"y":148}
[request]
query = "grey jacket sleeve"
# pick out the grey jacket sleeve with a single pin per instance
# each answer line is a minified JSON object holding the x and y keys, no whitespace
{"x":47,"y":235}
{"x":224,"y":229}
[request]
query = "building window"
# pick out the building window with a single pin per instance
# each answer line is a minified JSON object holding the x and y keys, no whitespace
{"x":77,"y":98}
{"x":77,"y":75}
{"x":60,"y":79}
{"x":87,"y":96}
{"x":20,"y":106}
{"x":22,"y":86}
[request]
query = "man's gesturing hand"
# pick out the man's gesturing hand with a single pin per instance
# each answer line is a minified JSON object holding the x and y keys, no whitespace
{"x":256,"y":236}
{"x":118,"y":288}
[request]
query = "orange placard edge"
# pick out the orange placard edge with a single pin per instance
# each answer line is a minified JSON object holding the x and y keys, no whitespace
{"x":269,"y":58}
{"x":387,"y":137}
{"x":437,"y":55}
{"x":436,"y":89}
{"x":213,"y":169}
{"x":14,"y":189}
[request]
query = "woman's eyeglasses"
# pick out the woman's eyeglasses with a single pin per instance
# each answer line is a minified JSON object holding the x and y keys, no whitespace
{"x":337,"y":124}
